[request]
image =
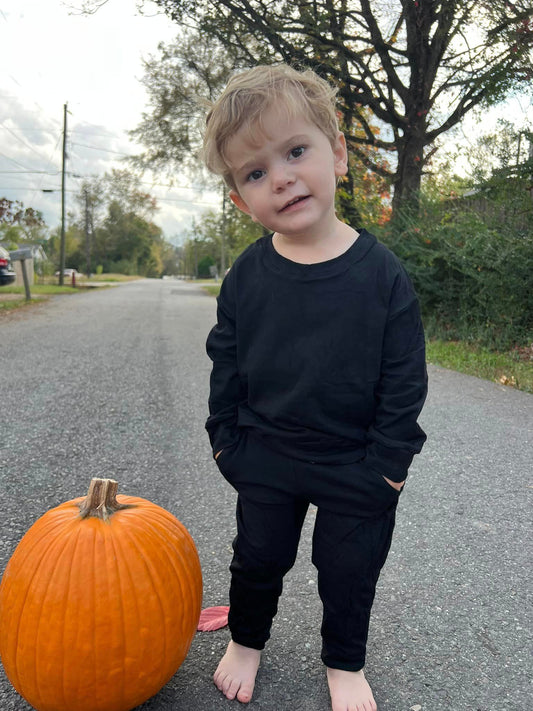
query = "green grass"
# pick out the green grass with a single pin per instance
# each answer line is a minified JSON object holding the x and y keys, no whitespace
{"x":212,"y":289}
{"x":14,"y":304}
{"x":108,"y":277}
{"x":82,"y":280}
{"x":514,"y":368}
{"x":45,"y":289}
{"x":38,"y":292}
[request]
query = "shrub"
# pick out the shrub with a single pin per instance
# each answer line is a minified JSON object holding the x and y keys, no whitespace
{"x":472,"y":269}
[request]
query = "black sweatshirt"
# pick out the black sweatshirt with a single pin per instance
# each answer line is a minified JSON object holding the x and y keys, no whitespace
{"x":325,"y":362}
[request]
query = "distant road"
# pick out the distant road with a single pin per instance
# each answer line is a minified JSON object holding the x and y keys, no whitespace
{"x":115,"y":383}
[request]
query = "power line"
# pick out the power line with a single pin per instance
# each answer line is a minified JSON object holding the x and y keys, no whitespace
{"x":21,"y":141}
{"x":19,"y":129}
{"x":36,"y":190}
{"x":107,"y":133}
{"x":57,"y":189}
{"x":104,"y":150}
{"x":12,"y":160}
{"x":31,"y":172}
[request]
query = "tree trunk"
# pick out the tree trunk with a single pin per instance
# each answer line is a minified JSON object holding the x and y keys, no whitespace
{"x":346,"y":202}
{"x":408,"y":178}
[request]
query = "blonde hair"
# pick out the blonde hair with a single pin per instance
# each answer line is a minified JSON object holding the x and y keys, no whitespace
{"x":248,"y":94}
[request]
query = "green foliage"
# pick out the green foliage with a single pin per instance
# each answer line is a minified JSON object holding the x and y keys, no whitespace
{"x":114,"y":226}
{"x":471,"y":261}
{"x":19,"y":223}
{"x":218,"y":234}
{"x":203,"y":267}
{"x":180,"y":82}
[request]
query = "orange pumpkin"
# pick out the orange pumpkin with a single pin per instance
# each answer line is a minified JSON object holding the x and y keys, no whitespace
{"x":99,"y":603}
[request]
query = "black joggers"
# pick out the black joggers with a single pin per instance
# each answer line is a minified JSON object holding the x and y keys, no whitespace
{"x":351,"y":539}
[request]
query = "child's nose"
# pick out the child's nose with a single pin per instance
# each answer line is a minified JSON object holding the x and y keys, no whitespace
{"x":281,"y":177}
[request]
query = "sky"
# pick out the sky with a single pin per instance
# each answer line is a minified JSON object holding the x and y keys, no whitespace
{"x":50,"y":56}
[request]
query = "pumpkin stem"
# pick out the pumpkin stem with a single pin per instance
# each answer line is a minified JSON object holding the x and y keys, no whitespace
{"x":101,"y":501}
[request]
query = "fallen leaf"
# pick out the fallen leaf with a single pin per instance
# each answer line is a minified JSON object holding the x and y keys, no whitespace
{"x":213,"y":618}
{"x":416,"y":707}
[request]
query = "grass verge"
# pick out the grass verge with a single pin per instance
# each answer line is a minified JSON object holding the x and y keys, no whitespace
{"x":13,"y":304}
{"x":514,"y":368}
{"x":14,"y":297}
{"x":212,"y":289}
{"x":40,"y":289}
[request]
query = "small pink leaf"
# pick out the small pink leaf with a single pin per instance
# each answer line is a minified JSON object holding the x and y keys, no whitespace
{"x":213,"y":618}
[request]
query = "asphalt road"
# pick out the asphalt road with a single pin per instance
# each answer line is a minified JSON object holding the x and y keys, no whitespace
{"x":114,"y":383}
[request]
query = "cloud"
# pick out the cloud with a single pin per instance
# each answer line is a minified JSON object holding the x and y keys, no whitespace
{"x":94,"y":64}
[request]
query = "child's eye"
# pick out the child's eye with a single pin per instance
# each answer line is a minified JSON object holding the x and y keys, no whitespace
{"x":297,"y":152}
{"x":255,"y":175}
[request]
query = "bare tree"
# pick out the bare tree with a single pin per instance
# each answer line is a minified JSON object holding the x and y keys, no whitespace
{"x":419,"y":66}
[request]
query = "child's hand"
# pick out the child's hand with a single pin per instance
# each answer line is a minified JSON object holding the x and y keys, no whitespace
{"x":395,"y":484}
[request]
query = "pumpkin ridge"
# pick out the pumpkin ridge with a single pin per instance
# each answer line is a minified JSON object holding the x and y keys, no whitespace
{"x":44,"y":526}
{"x":136,"y":534}
{"x":123,"y":559}
{"x":59,"y":550}
{"x":96,"y":589}
{"x":94,"y":598}
{"x":126,"y":560}
{"x":173,"y":566}
{"x":158,"y":536}
{"x":16,"y":564}
{"x":65,"y":612}
{"x":76,"y":621}
{"x":179,"y":536}
{"x":9,"y":603}
{"x":152,"y":575}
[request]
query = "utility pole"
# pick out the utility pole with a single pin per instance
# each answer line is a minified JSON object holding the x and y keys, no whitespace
{"x":63,"y":173}
{"x":87,"y":232}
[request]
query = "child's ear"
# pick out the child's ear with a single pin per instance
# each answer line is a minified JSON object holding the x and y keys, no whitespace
{"x":237,"y":200}
{"x":340,"y":153}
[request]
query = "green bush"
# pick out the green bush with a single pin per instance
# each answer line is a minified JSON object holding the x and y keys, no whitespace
{"x":472,"y":267}
{"x":203,"y":267}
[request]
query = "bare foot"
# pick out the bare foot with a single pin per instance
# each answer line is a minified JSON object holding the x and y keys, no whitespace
{"x":235,"y":675}
{"x":350,"y":691}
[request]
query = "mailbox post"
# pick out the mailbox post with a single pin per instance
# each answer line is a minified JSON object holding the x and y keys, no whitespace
{"x":20,"y":255}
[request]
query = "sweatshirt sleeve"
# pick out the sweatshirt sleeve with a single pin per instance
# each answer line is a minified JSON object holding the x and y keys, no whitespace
{"x":395,"y":436}
{"x":225,"y":387}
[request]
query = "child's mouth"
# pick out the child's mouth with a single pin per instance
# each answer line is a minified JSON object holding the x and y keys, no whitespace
{"x":294,"y":202}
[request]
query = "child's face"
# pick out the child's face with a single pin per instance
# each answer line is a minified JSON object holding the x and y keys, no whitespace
{"x":286,"y":177}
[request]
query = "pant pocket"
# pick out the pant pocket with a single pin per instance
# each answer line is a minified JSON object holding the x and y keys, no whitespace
{"x":375,"y":492}
{"x":385,"y":484}
{"x":226,"y":458}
